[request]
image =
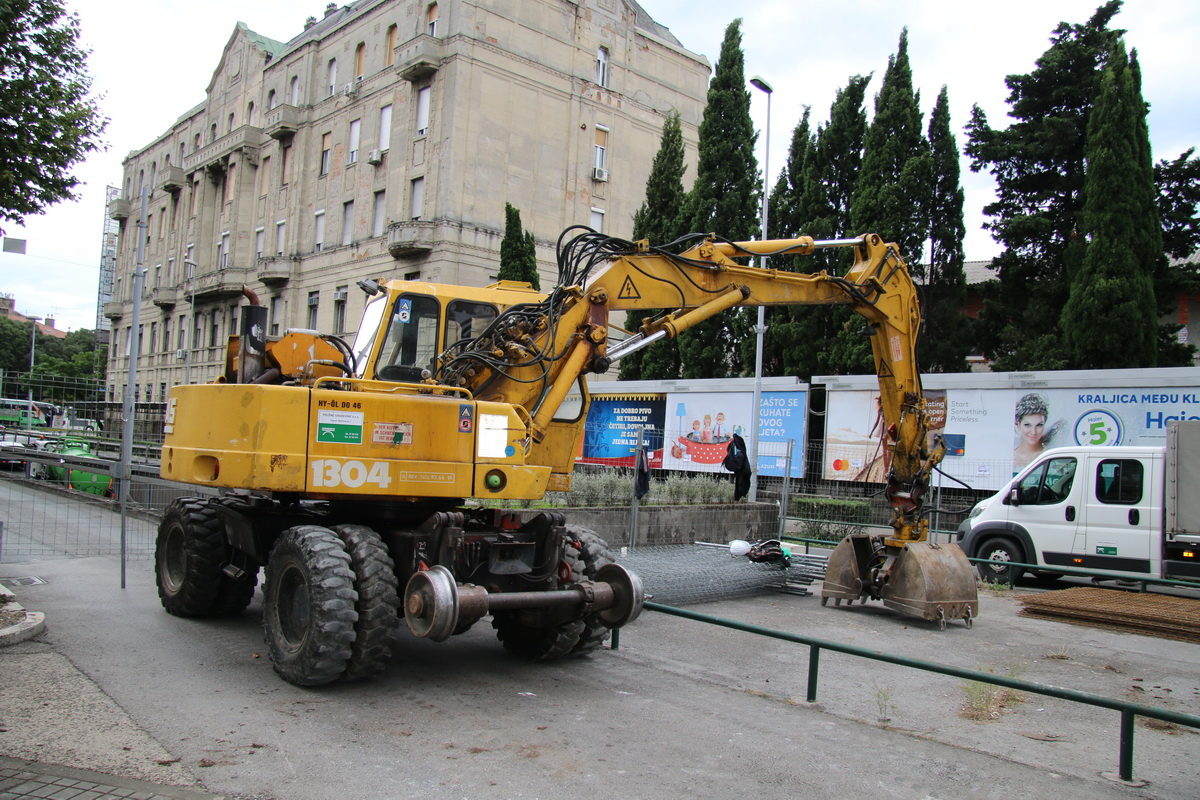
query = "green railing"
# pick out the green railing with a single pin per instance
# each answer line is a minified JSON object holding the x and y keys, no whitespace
{"x":1129,"y":711}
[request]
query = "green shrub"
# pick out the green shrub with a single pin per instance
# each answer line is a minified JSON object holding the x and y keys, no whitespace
{"x":835,"y":509}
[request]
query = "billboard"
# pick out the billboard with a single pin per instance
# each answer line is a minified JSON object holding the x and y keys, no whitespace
{"x":993,"y":433}
{"x":613,"y":425}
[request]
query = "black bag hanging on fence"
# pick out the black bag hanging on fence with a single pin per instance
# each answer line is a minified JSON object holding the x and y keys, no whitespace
{"x":735,"y":455}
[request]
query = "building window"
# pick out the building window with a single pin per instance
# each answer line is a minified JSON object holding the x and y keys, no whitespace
{"x":280,"y":237}
{"x":601,"y":149}
{"x":294,"y":91}
{"x":331,"y":77}
{"x":416,"y":198}
{"x":223,"y":251}
{"x":602,"y":66}
{"x":197,"y":326}
{"x":326,"y":152}
{"x":265,"y":184}
{"x":360,"y":53}
{"x":318,"y":231}
{"x":423,"y":111}
{"x":182,"y":343}
{"x":260,"y":240}
{"x":431,"y":19}
{"x":153,"y":337}
{"x":157,"y":275}
{"x":597,"y":220}
{"x":339,"y":309}
{"x":162,"y":393}
{"x":166,"y":337}
{"x":389,"y":46}
{"x":189,"y":259}
{"x":274,"y":312}
{"x":271,"y":100}
{"x":286,"y":159}
{"x":355,"y":132}
{"x":314,"y":300}
{"x":377,"y":213}
{"x":214,"y":329}
{"x":229,"y":184}
{"x":250,"y":113}
{"x":347,"y":221}
{"x":385,"y":127}
{"x":230,"y":123}
{"x":171,"y":271}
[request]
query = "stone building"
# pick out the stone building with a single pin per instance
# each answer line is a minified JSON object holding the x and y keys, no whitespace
{"x":383,"y":141}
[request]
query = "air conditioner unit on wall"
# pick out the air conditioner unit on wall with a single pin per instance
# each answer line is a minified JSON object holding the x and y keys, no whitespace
{"x":599,"y":174}
{"x":181,"y":354}
{"x":350,"y":89}
{"x":375,"y":157}
{"x":339,"y":294}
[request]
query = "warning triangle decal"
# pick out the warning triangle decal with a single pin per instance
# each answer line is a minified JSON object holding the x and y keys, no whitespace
{"x":628,"y":290}
{"x":885,"y":370}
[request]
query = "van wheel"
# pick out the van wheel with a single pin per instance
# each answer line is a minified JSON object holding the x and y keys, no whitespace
{"x":999,"y":551}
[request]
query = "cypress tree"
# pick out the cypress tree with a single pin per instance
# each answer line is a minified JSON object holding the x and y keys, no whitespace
{"x":890,"y":196}
{"x":1038,"y":163}
{"x":659,"y":220}
{"x":945,"y":340}
{"x":518,"y":251}
{"x":723,"y":200}
{"x":1110,"y":319}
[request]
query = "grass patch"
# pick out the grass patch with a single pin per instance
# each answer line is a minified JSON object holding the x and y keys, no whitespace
{"x":985,"y":702}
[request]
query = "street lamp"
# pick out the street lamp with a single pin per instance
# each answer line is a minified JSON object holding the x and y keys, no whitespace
{"x":33,"y":323}
{"x":759,"y":329}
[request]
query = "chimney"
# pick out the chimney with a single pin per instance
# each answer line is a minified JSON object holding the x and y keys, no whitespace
{"x":48,"y":322}
{"x":331,"y":9}
{"x":308,"y":23}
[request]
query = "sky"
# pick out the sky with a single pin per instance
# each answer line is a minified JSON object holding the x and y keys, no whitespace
{"x":152,"y":59}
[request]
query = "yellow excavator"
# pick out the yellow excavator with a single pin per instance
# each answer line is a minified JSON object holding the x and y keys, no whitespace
{"x":359,"y":474}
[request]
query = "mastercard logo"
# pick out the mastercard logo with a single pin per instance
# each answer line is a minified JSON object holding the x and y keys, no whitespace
{"x":840,"y":465}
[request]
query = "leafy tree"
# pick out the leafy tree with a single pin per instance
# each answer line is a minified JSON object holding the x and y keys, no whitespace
{"x":518,"y":251}
{"x":1178,"y":184}
{"x":659,"y":220}
{"x":1038,"y":163}
{"x":75,"y":356}
{"x":945,"y":340}
{"x":822,"y":176}
{"x":47,"y":122}
{"x":890,"y":195}
{"x":1109,"y":319}
{"x":723,"y":200}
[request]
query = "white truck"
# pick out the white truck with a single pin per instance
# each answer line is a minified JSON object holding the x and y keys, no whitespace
{"x":1129,"y":511}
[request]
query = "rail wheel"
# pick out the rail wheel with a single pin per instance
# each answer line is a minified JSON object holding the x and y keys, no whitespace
{"x":378,"y":600}
{"x":189,"y":558}
{"x":308,"y":606}
{"x":592,"y":555}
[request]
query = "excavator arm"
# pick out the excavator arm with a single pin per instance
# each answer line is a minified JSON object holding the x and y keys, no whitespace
{"x":533,"y":353}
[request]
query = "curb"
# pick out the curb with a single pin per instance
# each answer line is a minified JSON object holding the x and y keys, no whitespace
{"x":27,"y":624}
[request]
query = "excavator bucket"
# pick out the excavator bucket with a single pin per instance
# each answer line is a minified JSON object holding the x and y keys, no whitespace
{"x":921,"y":579}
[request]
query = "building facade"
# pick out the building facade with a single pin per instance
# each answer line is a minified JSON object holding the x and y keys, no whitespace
{"x":383,"y":142}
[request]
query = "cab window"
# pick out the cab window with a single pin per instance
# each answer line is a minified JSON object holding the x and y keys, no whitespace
{"x":1048,"y":483}
{"x":1119,"y":481}
{"x":466,"y":319}
{"x":410,"y":343}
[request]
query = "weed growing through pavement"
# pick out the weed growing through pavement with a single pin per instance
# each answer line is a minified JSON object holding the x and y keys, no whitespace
{"x":884,"y":704}
{"x":986,"y":701}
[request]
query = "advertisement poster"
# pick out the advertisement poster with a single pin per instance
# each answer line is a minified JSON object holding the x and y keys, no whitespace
{"x":991,"y":434}
{"x":782,"y":416}
{"x":611,"y":434}
{"x":700,"y":425}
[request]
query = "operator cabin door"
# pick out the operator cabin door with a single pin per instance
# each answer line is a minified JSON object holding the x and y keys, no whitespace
{"x":1047,"y":508}
{"x":1119,"y":513}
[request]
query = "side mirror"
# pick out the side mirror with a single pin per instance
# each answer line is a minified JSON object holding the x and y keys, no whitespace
{"x":1014,"y":497}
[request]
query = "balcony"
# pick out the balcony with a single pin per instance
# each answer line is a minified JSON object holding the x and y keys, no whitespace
{"x":164,"y":296}
{"x":410,"y":239}
{"x":246,"y":139}
{"x":419,"y":58}
{"x":275,"y":270}
{"x":220,"y":284}
{"x":283,"y":121}
{"x":120,"y":208}
{"x":113,"y":309}
{"x":172,"y":179}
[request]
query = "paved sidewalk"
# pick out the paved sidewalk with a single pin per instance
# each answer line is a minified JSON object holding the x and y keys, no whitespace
{"x":29,"y":780}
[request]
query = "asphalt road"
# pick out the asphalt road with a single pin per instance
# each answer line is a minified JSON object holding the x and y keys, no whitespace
{"x":682,"y":709}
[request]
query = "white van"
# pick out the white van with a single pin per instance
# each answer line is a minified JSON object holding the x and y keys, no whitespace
{"x":1124,"y":510}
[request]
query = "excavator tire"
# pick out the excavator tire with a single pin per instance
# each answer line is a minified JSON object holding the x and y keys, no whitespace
{"x":593,"y":554}
{"x":308,"y":606}
{"x":378,"y":600}
{"x":189,"y":555}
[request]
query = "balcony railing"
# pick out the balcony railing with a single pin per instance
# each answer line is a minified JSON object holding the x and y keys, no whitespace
{"x":120,"y":208}
{"x":420,"y":57}
{"x":283,"y":121}
{"x":114,"y":309}
{"x":227,"y":282}
{"x":275,"y":270}
{"x":246,"y":138}
{"x":172,"y":179}
{"x":408,"y":239}
{"x":164,"y":296}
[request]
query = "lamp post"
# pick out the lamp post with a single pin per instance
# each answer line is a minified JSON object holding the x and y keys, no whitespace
{"x":758,"y":83}
{"x":33,"y":323}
